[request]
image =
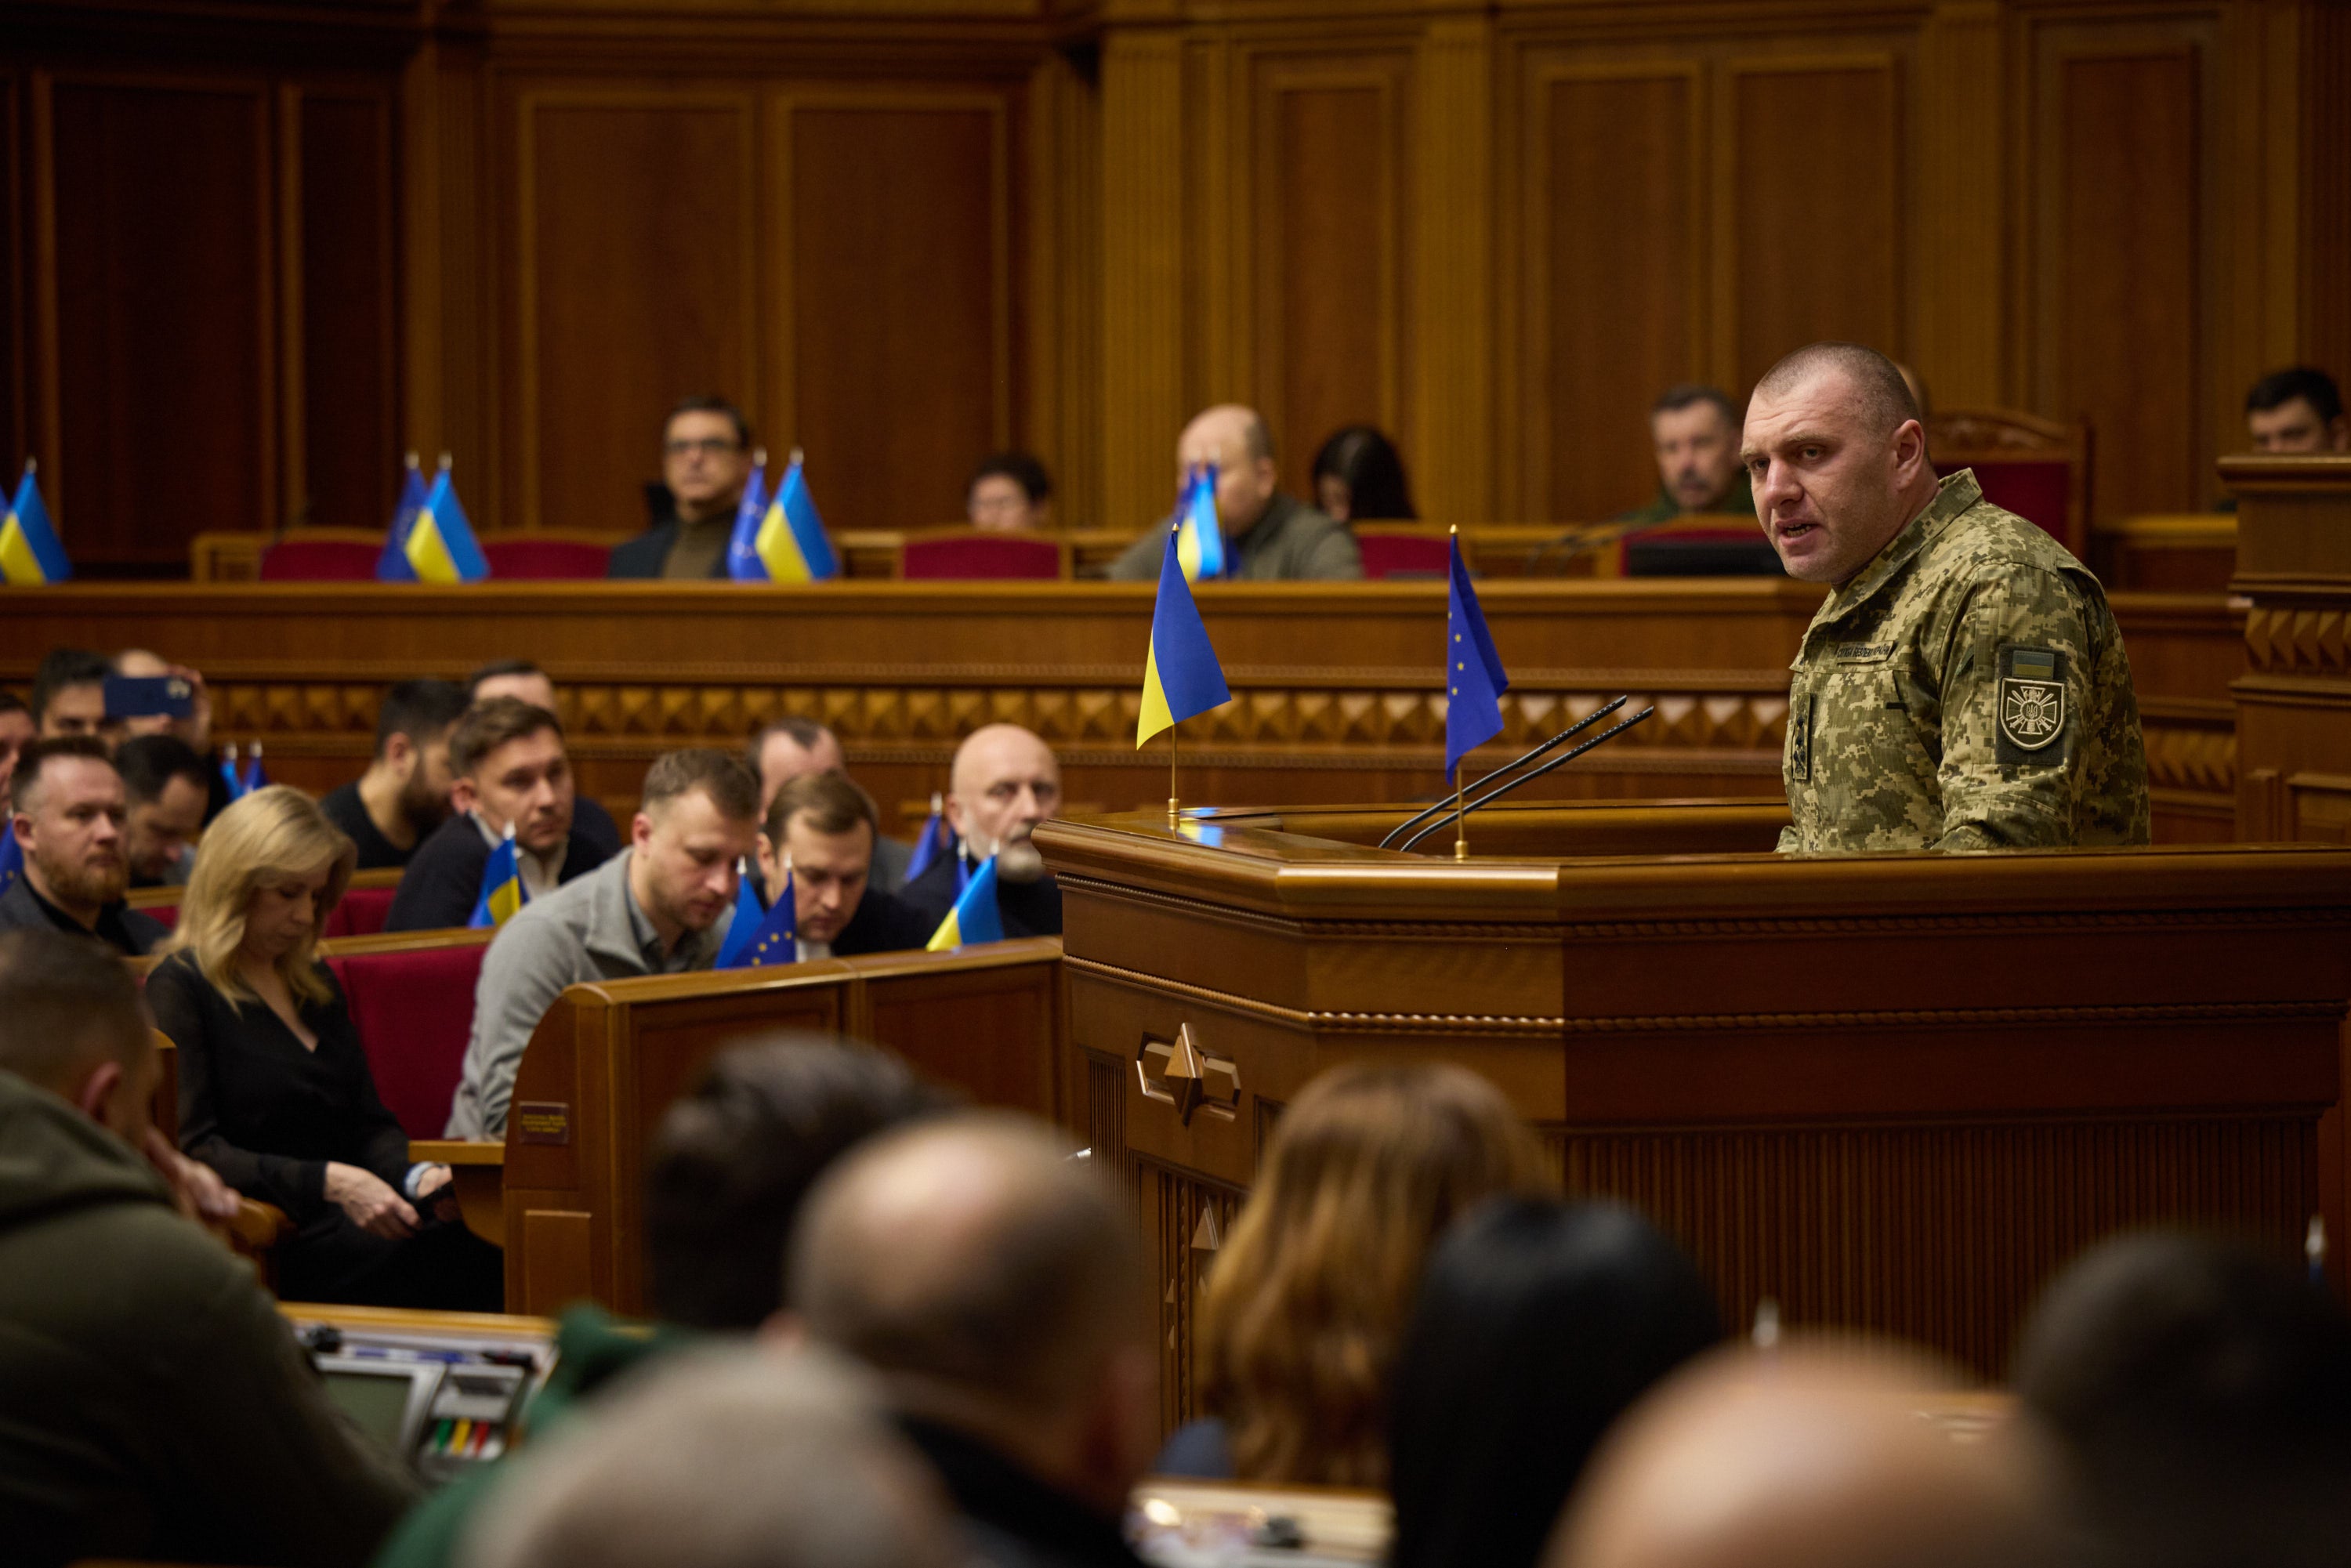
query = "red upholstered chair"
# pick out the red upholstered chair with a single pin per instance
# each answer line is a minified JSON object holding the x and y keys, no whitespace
{"x":545,"y":557}
{"x":2037,"y":468}
{"x":361,"y":913}
{"x":974,"y":555}
{"x":297,"y":558}
{"x":412,"y":1003}
{"x":1398,"y":551}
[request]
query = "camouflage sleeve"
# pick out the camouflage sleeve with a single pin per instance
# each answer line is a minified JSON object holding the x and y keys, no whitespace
{"x":2016,"y":683}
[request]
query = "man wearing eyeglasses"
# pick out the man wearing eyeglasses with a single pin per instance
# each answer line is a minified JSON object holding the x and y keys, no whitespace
{"x":706,"y":459}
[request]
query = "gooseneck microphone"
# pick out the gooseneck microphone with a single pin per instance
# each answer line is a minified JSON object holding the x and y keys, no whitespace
{"x":1587,"y":722}
{"x":1498,"y":791}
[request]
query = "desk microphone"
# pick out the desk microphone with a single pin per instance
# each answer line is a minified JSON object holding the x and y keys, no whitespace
{"x":1587,"y":722}
{"x":1499,"y":791}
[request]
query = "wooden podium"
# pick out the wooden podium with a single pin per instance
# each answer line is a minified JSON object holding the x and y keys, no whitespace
{"x":1889,"y":1091}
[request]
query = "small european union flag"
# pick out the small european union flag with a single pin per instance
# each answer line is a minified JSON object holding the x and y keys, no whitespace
{"x":1474,"y":678}
{"x":11,"y":857}
{"x":936,"y":839}
{"x":742,"y":562}
{"x":975,"y":917}
{"x":773,"y":938}
{"x":30,"y":554}
{"x":391,"y":562}
{"x":502,"y":894}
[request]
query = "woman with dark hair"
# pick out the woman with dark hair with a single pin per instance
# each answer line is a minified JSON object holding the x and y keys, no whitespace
{"x":1538,"y":1324}
{"x":1359,"y":476}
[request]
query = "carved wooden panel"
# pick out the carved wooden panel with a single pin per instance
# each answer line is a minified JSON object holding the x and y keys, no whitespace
{"x":1869,"y":1225}
{"x":894,"y":216}
{"x":343,"y":468}
{"x":633,"y":224}
{"x":1186,"y":1222}
{"x":1811,"y":238}
{"x":157,"y":296}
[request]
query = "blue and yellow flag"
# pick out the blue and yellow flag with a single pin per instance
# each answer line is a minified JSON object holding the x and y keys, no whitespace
{"x":1180,"y":673}
{"x":502,"y":894}
{"x":30,"y":554}
{"x":11,"y":857}
{"x":441,"y":546}
{"x":936,"y":839}
{"x":1474,"y":678}
{"x":392,"y":561}
{"x":1199,"y":535}
{"x":975,"y":917}
{"x":742,"y":562}
{"x":791,"y":545}
{"x":767,"y":939}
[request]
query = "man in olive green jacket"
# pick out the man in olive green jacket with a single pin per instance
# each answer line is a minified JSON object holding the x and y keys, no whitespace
{"x":1269,"y":536}
{"x":153,"y":1403}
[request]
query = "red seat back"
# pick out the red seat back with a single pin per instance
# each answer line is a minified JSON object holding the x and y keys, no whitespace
{"x":545,"y":559}
{"x":978,"y":558}
{"x":168,"y":915}
{"x":319,"y":560}
{"x":1404,"y":555}
{"x":2038,"y":489}
{"x":413,"y":1011}
{"x":361,"y":913}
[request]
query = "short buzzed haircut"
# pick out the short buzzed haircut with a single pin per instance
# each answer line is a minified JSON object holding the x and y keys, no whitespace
{"x":804,"y":733}
{"x":831,"y":801}
{"x":1256,"y":436}
{"x":1884,"y":395}
{"x":731,"y":1161}
{"x":24,"y":788}
{"x":148,"y":762}
{"x":420,"y":710}
{"x":2314,"y":387}
{"x":498,"y":667}
{"x":704,"y":402}
{"x":1016,"y":1310}
{"x":490,"y":724}
{"x":63,"y":667}
{"x":729,"y":782}
{"x":1688,"y":394}
{"x":723,"y":1458}
{"x":66,"y":1004}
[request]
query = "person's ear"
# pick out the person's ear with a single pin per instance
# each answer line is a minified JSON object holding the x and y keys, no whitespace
{"x":400,"y":753}
{"x":640,"y":830}
{"x":955,"y":813}
{"x":462,"y":796}
{"x":98,"y":1089}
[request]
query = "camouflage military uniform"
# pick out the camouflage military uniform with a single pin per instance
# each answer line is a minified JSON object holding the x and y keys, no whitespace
{"x":1966,"y":690}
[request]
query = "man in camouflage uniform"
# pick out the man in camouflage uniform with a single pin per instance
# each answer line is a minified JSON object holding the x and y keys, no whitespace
{"x":1965,"y":686}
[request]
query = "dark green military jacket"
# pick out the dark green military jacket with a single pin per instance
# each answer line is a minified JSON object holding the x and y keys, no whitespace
{"x":1739,"y":501}
{"x":1291,"y":543}
{"x":1966,"y":690}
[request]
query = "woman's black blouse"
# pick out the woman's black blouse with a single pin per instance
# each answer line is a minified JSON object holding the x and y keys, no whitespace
{"x":259,"y":1108}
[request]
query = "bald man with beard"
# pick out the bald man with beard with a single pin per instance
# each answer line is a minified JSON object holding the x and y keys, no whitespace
{"x":1005,"y":782}
{"x":1806,"y":1459}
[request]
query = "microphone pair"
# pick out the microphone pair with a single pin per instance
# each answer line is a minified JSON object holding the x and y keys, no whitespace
{"x":1443,"y":808}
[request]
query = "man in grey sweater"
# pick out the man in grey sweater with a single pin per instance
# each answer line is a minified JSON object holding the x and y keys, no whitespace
{"x":1269,"y":536}
{"x":660,"y":907}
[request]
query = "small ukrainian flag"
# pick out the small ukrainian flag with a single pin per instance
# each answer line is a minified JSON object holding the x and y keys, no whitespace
{"x":441,"y":546}
{"x":30,"y":554}
{"x":502,"y":894}
{"x":1180,"y":673}
{"x":791,"y":545}
{"x":975,"y":917}
{"x":1199,"y":535}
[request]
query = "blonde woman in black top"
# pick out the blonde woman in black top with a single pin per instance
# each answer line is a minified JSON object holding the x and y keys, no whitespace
{"x":275,"y":1090}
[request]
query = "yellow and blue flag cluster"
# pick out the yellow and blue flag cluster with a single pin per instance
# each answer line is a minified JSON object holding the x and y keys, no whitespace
{"x":242,"y":783}
{"x":30,"y":554}
{"x":760,"y":938}
{"x":936,"y":839}
{"x":1199,"y":535}
{"x":12,"y":854}
{"x":1180,"y":673}
{"x":502,"y":894}
{"x":975,"y":917}
{"x":430,"y":540}
{"x":1474,"y":677}
{"x":783,"y":539}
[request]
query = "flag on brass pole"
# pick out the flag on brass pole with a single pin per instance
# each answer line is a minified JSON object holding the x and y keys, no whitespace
{"x":790,"y":544}
{"x":1474,"y":680}
{"x":742,"y":562}
{"x":30,"y":553}
{"x":1180,"y":673}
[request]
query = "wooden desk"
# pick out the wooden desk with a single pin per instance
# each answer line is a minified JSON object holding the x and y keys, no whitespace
{"x":2294,"y":695}
{"x":1893,"y":1092}
{"x":608,"y":1059}
{"x":1337,"y":687}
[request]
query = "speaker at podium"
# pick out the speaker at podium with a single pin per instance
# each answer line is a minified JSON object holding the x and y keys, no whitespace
{"x":1894,"y":1093}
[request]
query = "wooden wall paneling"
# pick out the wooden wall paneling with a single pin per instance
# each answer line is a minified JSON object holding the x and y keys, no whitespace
{"x":1063,"y":282}
{"x":2114,"y":187}
{"x":893,"y":213}
{"x":2323,"y":282}
{"x":341,"y":312}
{"x":15,"y":429}
{"x":454,"y":261}
{"x":1956,"y":312}
{"x":1613,"y":306}
{"x":1452,"y":387}
{"x":1809,"y":211}
{"x":1143,"y":397}
{"x":634,"y":285}
{"x":1219,"y":362}
{"x":157,"y":200}
{"x":1329,"y":314}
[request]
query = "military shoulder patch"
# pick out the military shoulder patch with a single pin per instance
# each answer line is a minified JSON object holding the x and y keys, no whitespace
{"x":2031,"y":723}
